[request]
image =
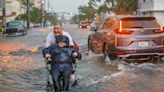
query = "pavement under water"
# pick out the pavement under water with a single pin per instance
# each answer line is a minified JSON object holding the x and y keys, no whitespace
{"x":22,"y":69}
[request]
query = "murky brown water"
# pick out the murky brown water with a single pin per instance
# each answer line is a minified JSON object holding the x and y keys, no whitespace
{"x":22,"y":70}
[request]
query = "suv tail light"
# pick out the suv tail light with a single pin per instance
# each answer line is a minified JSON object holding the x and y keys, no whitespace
{"x":158,"y":31}
{"x":122,"y":31}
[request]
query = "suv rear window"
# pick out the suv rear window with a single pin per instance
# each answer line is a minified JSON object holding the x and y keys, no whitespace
{"x":140,"y":23}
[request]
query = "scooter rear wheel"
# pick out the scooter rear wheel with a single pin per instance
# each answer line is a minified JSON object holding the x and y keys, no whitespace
{"x":49,"y":87}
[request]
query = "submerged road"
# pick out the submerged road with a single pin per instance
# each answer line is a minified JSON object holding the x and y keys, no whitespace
{"x":22,"y":67}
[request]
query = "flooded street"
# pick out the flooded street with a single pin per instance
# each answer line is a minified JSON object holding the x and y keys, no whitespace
{"x":22,"y":67}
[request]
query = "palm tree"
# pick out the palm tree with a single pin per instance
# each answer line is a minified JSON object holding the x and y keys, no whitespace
{"x":116,"y":6}
{"x":24,"y":2}
{"x":104,"y":7}
{"x":86,"y":12}
{"x":125,"y":7}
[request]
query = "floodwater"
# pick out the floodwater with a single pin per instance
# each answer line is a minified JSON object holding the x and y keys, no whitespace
{"x":22,"y":69}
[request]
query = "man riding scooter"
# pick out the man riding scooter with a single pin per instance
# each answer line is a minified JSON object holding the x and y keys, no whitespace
{"x":62,"y":56}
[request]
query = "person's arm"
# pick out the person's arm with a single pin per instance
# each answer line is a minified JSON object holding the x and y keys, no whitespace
{"x":76,"y":46}
{"x":76,"y":54}
{"x":46,"y":51}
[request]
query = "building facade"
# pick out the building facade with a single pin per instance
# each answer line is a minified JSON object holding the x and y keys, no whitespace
{"x":37,"y":3}
{"x":153,"y":8}
{"x":13,"y":8}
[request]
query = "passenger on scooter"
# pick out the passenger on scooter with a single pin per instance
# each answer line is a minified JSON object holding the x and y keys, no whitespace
{"x":62,"y":56}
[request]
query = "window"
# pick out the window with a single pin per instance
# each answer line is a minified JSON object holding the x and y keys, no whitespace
{"x":140,"y":23}
{"x":100,"y":26}
{"x":109,"y":24}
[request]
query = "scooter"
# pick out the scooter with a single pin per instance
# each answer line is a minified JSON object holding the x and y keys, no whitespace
{"x":50,"y":86}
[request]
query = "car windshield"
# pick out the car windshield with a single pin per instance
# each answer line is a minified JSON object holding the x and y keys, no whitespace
{"x":140,"y":23}
{"x":13,"y":24}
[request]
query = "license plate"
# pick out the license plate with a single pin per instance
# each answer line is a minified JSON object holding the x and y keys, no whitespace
{"x":143,"y":44}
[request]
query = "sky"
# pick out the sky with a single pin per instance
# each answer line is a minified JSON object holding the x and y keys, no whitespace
{"x":67,"y":5}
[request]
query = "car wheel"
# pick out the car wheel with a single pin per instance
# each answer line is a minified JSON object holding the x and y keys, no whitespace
{"x":89,"y":45}
{"x":25,"y":32}
{"x":22,"y":33}
{"x":162,"y":59}
{"x":94,"y":47}
{"x":106,"y":51}
{"x":155,"y":60}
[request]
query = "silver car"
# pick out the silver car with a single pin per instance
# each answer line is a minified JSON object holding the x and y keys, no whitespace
{"x":93,"y":25}
{"x":129,"y":38}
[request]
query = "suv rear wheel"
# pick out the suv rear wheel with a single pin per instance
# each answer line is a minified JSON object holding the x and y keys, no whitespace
{"x":89,"y":45}
{"x":106,"y":51}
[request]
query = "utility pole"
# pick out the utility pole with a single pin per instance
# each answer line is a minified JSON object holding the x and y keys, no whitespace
{"x":42,"y":8}
{"x":48,"y":6}
{"x":4,"y":14}
{"x":28,"y":14}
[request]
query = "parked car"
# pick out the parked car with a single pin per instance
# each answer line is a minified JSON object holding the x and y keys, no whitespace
{"x":93,"y":25}
{"x":15,"y":27}
{"x":83,"y":24}
{"x":129,"y":38}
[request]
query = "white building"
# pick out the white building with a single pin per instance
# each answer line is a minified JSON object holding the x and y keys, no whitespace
{"x":13,"y":9}
{"x":153,"y":8}
{"x":37,"y":3}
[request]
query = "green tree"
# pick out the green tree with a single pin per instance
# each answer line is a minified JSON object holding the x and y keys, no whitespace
{"x":36,"y":15}
{"x":21,"y":17}
{"x":125,"y":7}
{"x":75,"y":18}
{"x":86,"y":12}
{"x":116,"y":6}
{"x":24,"y":2}
{"x":53,"y":18}
{"x":102,"y":9}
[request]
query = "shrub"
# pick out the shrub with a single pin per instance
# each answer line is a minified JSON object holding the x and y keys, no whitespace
{"x":0,"y":28}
